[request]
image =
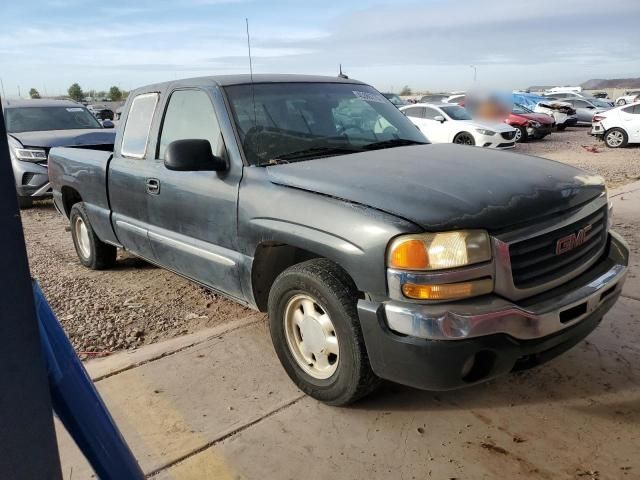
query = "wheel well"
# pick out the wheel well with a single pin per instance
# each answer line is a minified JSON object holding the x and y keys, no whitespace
{"x":270,"y":260}
{"x":70,"y":197}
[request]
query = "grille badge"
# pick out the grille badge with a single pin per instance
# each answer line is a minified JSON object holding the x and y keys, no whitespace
{"x":569,"y":242}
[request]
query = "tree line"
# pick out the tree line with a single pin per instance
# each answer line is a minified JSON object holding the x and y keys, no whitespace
{"x":76,"y":93}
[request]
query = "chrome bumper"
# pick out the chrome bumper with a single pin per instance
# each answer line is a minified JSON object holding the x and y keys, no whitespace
{"x":556,"y":310}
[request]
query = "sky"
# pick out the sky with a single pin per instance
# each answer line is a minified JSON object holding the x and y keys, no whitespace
{"x":428,"y":44}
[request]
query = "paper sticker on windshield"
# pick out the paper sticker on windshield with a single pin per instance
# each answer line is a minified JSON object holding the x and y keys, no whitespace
{"x":370,"y":97}
{"x":75,"y":109}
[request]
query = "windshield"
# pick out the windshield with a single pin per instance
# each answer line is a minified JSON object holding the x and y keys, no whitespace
{"x":35,"y":119}
{"x":306,"y":120}
{"x":456,"y":112}
{"x":601,"y":103}
{"x":520,"y":109}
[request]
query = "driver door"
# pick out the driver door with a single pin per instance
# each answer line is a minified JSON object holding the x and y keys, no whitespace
{"x":193,"y":215}
{"x":439,"y":129}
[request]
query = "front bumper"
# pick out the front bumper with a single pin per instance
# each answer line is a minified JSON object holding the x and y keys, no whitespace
{"x":447,"y":346}
{"x":32,"y":179}
{"x":541,"y":131}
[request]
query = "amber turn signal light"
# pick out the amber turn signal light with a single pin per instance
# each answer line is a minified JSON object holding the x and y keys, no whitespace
{"x":448,"y":291}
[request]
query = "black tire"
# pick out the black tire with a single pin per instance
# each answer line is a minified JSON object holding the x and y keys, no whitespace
{"x":620,"y":136}
{"x":621,"y":102}
{"x":25,"y":202}
{"x":560,"y":128}
{"x":330,"y":286}
{"x":524,"y":136}
{"x":101,"y":255}
{"x":464,"y":138}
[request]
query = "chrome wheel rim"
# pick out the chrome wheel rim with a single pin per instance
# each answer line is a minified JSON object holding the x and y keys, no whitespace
{"x":518,"y":135}
{"x":615,"y":139}
{"x":82,"y":237}
{"x":311,"y":337}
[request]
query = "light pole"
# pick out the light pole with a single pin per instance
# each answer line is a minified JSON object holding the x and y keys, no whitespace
{"x":475,"y":72}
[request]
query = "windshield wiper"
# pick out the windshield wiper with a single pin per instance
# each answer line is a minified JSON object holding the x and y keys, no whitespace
{"x":394,"y":142}
{"x":309,"y":153}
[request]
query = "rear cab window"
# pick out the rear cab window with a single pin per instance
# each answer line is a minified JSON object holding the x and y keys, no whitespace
{"x":138,"y":126}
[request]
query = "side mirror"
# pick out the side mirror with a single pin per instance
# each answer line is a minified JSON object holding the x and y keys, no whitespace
{"x":108,"y":124}
{"x":439,"y":118}
{"x":193,"y":155}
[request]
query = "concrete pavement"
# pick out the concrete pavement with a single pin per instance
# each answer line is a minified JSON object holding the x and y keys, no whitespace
{"x":217,"y":404}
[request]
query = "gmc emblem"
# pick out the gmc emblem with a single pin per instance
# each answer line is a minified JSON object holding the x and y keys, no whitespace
{"x":568,"y":243}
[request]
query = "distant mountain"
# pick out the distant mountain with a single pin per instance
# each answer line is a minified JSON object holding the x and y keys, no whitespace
{"x":598,"y":83}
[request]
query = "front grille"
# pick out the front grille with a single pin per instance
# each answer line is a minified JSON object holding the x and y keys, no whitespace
{"x":535,"y":262}
{"x":508,"y":135}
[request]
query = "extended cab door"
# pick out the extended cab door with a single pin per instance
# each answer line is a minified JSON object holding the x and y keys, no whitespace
{"x":193,"y":215}
{"x":128,"y":177}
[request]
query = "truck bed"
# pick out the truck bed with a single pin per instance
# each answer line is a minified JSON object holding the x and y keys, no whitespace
{"x":83,"y":172}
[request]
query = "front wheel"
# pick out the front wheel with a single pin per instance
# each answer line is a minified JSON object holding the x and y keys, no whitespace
{"x":616,"y":138}
{"x":521,"y":135}
{"x":561,"y":128}
{"x":92,"y":251}
{"x":464,"y":138}
{"x":621,"y":102}
{"x":316,"y":332}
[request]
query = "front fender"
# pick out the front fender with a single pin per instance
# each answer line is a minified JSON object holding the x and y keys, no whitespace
{"x":353,"y":236}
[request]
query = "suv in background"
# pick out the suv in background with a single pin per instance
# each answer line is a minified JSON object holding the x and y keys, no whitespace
{"x":35,"y":126}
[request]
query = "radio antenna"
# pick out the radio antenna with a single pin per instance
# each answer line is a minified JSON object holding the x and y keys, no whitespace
{"x":253,"y":90}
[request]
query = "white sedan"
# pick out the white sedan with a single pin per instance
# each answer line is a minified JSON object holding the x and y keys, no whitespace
{"x":450,"y":123}
{"x":618,"y":126}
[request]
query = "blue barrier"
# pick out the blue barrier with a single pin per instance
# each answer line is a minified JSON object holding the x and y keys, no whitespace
{"x":78,"y":404}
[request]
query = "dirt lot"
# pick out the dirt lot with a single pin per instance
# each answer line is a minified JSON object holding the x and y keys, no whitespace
{"x":137,"y":303}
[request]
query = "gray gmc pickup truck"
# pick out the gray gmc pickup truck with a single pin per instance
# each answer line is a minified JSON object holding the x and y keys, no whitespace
{"x":376,"y":254}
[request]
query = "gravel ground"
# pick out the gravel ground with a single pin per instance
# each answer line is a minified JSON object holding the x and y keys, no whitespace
{"x":137,"y":303}
{"x":576,"y":147}
{"x":133,"y":304}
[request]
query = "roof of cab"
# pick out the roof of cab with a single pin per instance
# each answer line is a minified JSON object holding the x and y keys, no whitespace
{"x":39,"y":103}
{"x":246,"y":79}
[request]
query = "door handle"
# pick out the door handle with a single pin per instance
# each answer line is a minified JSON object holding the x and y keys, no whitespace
{"x":153,"y":186}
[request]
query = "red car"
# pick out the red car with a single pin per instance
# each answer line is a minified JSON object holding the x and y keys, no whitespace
{"x":529,"y":124}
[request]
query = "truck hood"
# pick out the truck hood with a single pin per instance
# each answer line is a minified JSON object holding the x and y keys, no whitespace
{"x":445,"y":186}
{"x":65,"y":138}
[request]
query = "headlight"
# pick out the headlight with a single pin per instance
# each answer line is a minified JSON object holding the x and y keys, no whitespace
{"x":437,"y":251}
{"x":485,"y":132}
{"x":534,"y":124}
{"x":30,"y":154}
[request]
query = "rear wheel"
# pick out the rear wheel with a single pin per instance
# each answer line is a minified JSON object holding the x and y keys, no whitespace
{"x":620,"y":102}
{"x":92,"y":251}
{"x":521,"y":134}
{"x":316,"y":332}
{"x":616,"y":138}
{"x":464,"y":138}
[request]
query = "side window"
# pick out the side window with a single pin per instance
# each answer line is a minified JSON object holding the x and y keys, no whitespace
{"x":629,"y":109}
{"x":136,"y":131}
{"x":189,"y":115}
{"x":415,"y":112}
{"x":431,"y":113}
{"x":580,"y":104}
